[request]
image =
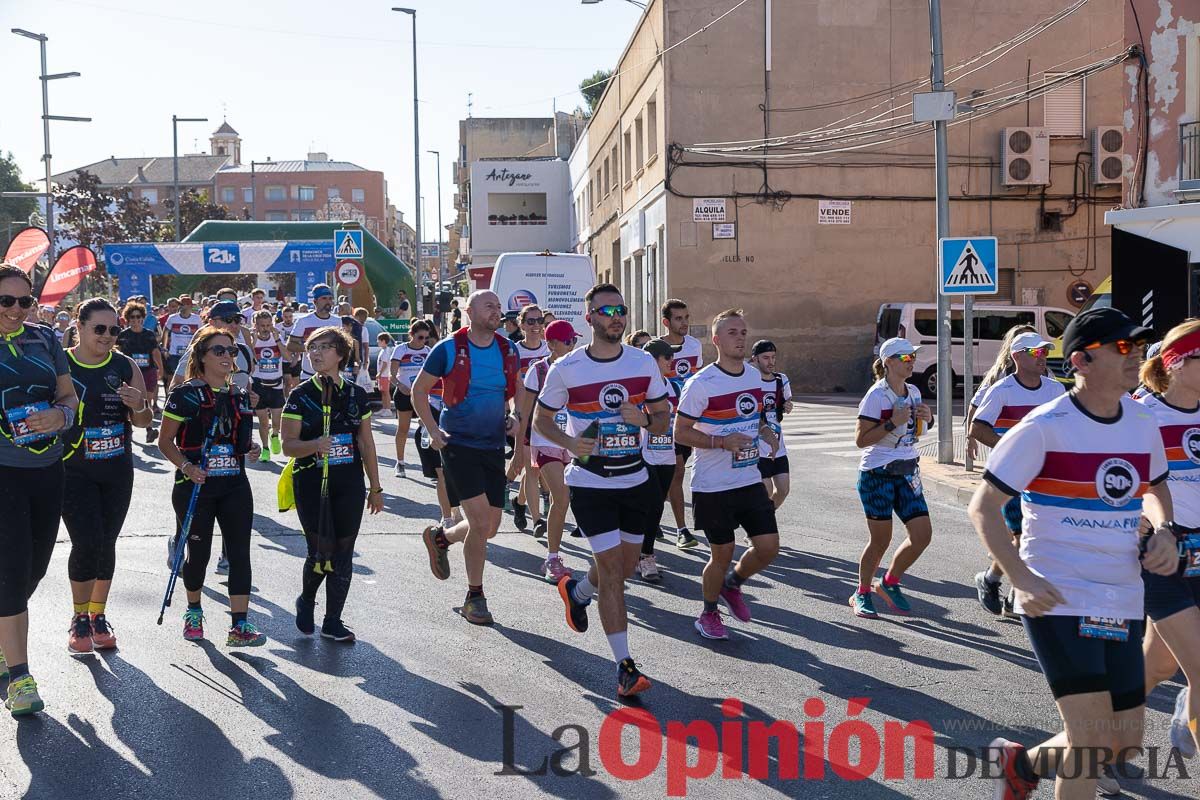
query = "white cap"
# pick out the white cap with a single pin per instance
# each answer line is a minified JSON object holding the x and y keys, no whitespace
{"x":1026,"y":341}
{"x":896,"y":347}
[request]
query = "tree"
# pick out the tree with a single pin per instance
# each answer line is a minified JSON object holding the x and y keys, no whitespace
{"x":135,"y":217}
{"x":194,"y":208}
{"x":87,"y":214}
{"x":593,"y":87}
{"x":14,"y":213}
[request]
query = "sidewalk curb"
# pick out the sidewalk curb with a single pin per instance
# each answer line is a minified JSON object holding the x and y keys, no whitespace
{"x":948,"y":483}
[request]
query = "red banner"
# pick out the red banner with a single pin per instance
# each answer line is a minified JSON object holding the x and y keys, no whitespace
{"x":68,"y":271}
{"x":27,"y":247}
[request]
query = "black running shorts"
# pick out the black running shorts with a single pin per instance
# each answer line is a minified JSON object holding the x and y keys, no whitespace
{"x":472,"y":472}
{"x":720,"y":514}
{"x":602,"y":510}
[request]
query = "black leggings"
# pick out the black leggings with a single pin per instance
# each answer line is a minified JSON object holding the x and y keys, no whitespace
{"x":347,"y":494}
{"x":94,"y":509}
{"x":661,"y":476}
{"x":31,"y":503}
{"x":233,"y":509}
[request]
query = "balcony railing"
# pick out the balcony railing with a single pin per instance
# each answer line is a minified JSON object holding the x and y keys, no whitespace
{"x":1189,"y":154}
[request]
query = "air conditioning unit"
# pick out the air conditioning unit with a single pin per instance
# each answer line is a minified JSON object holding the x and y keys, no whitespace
{"x":1025,"y":157}
{"x":1108,"y":149}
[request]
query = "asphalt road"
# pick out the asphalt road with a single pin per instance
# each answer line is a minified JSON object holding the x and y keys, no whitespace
{"x":419,"y":707}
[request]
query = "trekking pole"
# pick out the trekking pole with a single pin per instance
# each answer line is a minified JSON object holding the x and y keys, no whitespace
{"x":325,"y":516}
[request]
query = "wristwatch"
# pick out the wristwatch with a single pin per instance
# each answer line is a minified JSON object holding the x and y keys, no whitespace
{"x":889,"y":426}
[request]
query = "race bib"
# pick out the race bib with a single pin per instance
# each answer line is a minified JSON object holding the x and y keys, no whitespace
{"x":560,"y":419}
{"x":660,"y":442}
{"x":142,"y":360}
{"x":1191,"y":555}
{"x":746,"y":456}
{"x":618,"y":439}
{"x":102,"y":443}
{"x":222,"y":462}
{"x":1110,"y":628}
{"x":914,"y":483}
{"x":341,"y":449}
{"x":269,"y":364}
{"x":18,"y":418}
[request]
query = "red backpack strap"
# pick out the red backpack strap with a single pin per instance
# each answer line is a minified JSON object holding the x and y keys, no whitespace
{"x":512,"y":365}
{"x":458,"y":378}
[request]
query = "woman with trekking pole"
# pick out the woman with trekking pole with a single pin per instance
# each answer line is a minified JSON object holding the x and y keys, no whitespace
{"x":207,"y":433}
{"x":327,"y":429}
{"x":98,"y":458}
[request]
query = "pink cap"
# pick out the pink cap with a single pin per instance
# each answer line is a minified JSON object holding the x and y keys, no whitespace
{"x":561,"y":331}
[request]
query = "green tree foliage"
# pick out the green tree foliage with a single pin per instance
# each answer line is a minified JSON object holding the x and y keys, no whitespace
{"x":14,"y":213}
{"x":194,"y":208}
{"x":592,"y":87}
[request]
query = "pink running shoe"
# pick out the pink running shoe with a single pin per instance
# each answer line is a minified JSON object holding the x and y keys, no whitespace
{"x":710,"y":626}
{"x":736,"y":602}
{"x":554,"y":569}
{"x":193,"y":625}
{"x":79,"y":635}
{"x":103,"y":636}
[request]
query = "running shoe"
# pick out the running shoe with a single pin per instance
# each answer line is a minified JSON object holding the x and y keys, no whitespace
{"x":648,"y":569}
{"x":684,"y":539}
{"x":1009,"y":784}
{"x":398,"y":470}
{"x":304,"y":615}
{"x":276,"y":444}
{"x":265,"y":455}
{"x":863,"y":606}
{"x":1008,"y":611}
{"x":554,"y":569}
{"x":103,"y":637}
{"x":222,"y":563}
{"x":577,"y":619}
{"x":476,"y":612}
{"x":151,"y":435}
{"x":3,"y":666}
{"x":1106,"y":784}
{"x":439,"y":557}
{"x":736,"y":601}
{"x":710,"y":626}
{"x":989,"y":593}
{"x":1181,"y":737}
{"x":539,"y":529}
{"x":23,"y":698}
{"x":629,"y":680}
{"x":79,"y":635}
{"x":193,"y":625}
{"x":893,"y":597}
{"x":244,"y":634}
{"x":519,"y":518}
{"x":171,"y":541}
{"x":335,"y":630}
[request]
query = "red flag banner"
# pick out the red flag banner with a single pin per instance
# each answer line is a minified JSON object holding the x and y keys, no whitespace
{"x":27,"y":247}
{"x":68,"y":271}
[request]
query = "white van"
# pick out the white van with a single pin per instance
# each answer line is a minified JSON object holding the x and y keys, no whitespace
{"x":917,"y":322}
{"x":556,"y":282}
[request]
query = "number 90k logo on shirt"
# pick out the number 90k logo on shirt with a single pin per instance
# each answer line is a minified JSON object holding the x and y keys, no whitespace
{"x":1191,"y":444}
{"x":746,"y":404}
{"x":613,"y":395}
{"x":1116,"y":481}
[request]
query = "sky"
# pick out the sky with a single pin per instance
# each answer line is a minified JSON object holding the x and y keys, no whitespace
{"x":294,"y":76}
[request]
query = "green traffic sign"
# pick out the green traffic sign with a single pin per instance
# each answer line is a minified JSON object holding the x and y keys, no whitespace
{"x":396,"y":327}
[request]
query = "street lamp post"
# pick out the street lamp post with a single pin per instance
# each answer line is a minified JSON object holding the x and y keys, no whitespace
{"x":441,"y":230}
{"x":45,"y":78}
{"x":175,"y":164}
{"x":412,"y":12}
{"x":640,"y":5}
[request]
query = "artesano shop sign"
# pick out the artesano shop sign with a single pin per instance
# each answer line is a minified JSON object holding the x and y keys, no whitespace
{"x":510,"y":178}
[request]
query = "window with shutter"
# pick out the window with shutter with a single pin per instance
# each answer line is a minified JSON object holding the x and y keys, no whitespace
{"x":1063,"y":109}
{"x":1006,"y":284}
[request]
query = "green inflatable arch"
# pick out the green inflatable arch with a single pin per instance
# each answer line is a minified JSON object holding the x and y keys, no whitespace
{"x":385,"y":271}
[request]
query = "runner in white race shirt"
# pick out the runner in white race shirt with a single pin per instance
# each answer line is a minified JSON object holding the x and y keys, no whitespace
{"x":323,"y":301}
{"x":267,"y":383}
{"x":1087,"y":467}
{"x":530,"y":348}
{"x":407,"y":360}
{"x":687,"y":358}
{"x":773,"y":463}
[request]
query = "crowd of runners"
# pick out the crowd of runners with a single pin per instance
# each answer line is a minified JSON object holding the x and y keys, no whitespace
{"x":1090,"y":506}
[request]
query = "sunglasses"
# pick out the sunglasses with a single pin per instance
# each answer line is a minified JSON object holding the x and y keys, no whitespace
{"x":221,"y":350}
{"x":1123,"y":346}
{"x":534,"y":321}
{"x":1036,"y":352}
{"x":612,"y":311}
{"x":8,"y":301}
{"x":229,"y":320}
{"x":109,"y":330}
{"x":904,"y":358}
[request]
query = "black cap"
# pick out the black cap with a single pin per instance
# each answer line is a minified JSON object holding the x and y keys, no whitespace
{"x":762,"y":346}
{"x":1100,"y":326}
{"x":225,"y":308}
{"x":659,"y":348}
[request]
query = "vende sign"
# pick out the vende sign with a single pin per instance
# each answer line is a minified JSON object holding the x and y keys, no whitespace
{"x":833,"y":212}
{"x":708,"y":209}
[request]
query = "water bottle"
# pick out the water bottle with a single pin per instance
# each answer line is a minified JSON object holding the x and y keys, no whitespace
{"x":426,"y":441}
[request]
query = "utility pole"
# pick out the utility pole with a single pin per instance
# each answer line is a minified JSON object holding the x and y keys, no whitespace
{"x":412,"y":12}
{"x":45,"y":78}
{"x":175,"y":165}
{"x":945,"y":375}
{"x":441,"y":230}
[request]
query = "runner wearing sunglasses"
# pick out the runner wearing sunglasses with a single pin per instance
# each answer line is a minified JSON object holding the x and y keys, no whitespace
{"x":1001,"y":367}
{"x":225,"y":496}
{"x":267,"y":383}
{"x":891,"y":417}
{"x":141,"y":345}
{"x":349,"y":447}
{"x":688,"y":357}
{"x":1005,"y":404}
{"x":319,"y":318}
{"x":610,"y":392}
{"x":407,"y":360}
{"x":1173,"y":601}
{"x":531,"y":347}
{"x":38,"y":402}
{"x":99,"y":469}
{"x":1087,"y":466}
{"x":225,"y":316}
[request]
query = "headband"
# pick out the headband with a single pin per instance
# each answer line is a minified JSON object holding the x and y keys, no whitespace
{"x":322,"y":293}
{"x":1174,"y":354}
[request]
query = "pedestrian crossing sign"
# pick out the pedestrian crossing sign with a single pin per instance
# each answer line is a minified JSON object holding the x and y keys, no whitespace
{"x":347,"y":243}
{"x":967,"y":265}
